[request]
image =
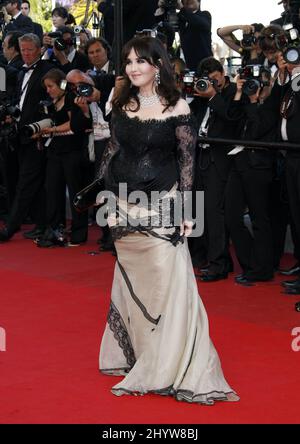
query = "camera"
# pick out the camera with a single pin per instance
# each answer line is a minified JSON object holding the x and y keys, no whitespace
{"x":256,"y":76}
{"x":84,"y":90}
{"x":8,"y":130}
{"x":188,"y":80}
{"x":289,"y":44}
{"x":59,"y":43}
{"x":8,"y":110}
{"x":46,"y":107}
{"x":248,"y":40}
{"x":78,"y":29}
{"x":33,"y":128}
{"x":146,"y":33}
{"x":192,"y":83}
{"x":203,"y":83}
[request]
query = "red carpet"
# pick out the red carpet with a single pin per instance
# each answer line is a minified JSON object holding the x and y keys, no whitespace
{"x":53,"y":308}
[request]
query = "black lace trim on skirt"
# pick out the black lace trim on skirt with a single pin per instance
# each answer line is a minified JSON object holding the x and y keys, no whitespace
{"x":118,"y":327}
{"x":184,"y":395}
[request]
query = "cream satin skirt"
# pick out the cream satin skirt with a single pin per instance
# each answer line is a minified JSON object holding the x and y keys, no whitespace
{"x":157,"y":331}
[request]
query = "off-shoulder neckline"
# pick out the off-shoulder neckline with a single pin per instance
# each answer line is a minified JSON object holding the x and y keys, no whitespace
{"x":154,"y":120}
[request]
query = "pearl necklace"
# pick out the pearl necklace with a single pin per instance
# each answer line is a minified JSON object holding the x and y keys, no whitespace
{"x":147,"y":101}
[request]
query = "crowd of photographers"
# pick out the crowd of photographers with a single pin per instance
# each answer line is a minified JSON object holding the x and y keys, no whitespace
{"x":55,"y":126}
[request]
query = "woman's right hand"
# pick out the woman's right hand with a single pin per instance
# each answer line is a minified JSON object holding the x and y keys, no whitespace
{"x":247,"y":29}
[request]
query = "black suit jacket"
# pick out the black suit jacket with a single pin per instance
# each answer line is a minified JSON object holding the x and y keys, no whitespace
{"x":35,"y":93}
{"x":220,"y":125}
{"x":195,"y":36}
{"x":258,"y":122}
{"x":21,"y":23}
{"x":269,"y":118}
{"x":38,"y":30}
{"x":17,"y":62}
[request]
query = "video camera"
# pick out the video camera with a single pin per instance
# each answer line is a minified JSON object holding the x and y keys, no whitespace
{"x":256,"y":76}
{"x":59,"y":43}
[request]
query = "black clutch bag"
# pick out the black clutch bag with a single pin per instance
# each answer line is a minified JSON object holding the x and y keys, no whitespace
{"x":86,"y":198}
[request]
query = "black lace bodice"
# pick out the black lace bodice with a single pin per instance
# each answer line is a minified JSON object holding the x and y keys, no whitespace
{"x":150,"y":154}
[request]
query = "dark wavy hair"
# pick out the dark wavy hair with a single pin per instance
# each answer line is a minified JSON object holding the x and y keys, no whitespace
{"x":153,"y":51}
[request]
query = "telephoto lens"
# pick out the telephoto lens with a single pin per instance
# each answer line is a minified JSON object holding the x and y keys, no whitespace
{"x":34,"y":128}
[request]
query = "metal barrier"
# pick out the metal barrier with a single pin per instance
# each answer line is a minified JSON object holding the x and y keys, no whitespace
{"x":249,"y":144}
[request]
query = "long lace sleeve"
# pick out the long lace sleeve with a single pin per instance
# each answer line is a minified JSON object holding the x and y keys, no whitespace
{"x":111,"y":148}
{"x":187,"y":137}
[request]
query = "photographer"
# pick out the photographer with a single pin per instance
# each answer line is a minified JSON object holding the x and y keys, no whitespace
{"x":279,"y":208}
{"x":214,"y":91}
{"x":248,"y":47}
{"x":285,"y":102}
{"x":30,"y":194}
{"x":65,"y":162}
{"x":249,"y":186}
{"x":94,"y":105}
{"x":18,"y":21}
{"x":11,"y":52}
{"x":195,"y":33}
{"x":64,"y":54}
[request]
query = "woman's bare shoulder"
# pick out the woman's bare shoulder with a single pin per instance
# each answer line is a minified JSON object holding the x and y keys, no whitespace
{"x":181,"y":108}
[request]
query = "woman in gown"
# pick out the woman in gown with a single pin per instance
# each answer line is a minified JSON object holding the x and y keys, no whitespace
{"x":157,"y":330}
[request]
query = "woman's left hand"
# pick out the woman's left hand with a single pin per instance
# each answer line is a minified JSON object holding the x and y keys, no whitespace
{"x":186,"y":228}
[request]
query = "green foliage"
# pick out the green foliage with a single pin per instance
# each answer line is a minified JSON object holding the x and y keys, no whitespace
{"x":40,"y":12}
{"x":79,"y":11}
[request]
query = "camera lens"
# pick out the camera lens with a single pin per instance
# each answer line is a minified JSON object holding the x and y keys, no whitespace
{"x":60,"y":44}
{"x":202,"y":84}
{"x":85,"y":90}
{"x":251,"y":86}
{"x":292,"y":55}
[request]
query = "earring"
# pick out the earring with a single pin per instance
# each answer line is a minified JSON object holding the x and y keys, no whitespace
{"x":157,"y":78}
